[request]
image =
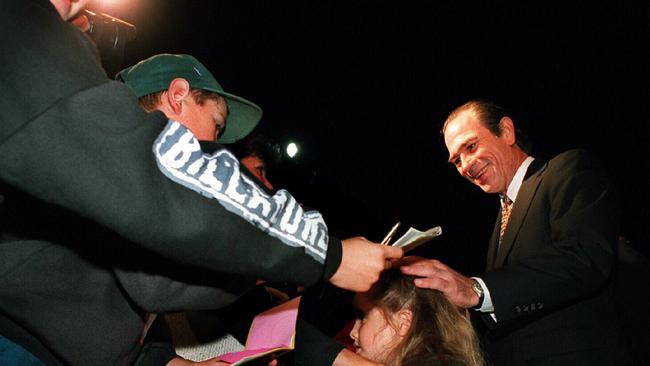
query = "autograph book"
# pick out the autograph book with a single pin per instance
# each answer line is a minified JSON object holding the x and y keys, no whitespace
{"x":272,"y":333}
{"x":413,"y":238}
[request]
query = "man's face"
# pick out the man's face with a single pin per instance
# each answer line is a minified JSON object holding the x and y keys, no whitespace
{"x":483,"y":158}
{"x":207,"y":120}
{"x":257,"y":167}
{"x":68,"y":8}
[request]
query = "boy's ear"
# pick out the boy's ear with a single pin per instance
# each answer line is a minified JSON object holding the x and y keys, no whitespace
{"x":178,"y":90}
{"x":404,"y":318}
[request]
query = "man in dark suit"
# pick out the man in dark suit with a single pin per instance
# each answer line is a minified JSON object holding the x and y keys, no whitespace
{"x":546,"y":297}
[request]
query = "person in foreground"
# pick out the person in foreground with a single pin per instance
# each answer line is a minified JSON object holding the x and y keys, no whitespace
{"x":546,"y":297}
{"x":401,"y":324}
{"x":184,"y":90}
{"x":83,"y":193}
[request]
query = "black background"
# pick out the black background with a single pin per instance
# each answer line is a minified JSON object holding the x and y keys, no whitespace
{"x":363,"y":87}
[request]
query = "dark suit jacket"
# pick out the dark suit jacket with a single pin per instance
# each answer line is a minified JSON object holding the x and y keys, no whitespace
{"x":550,"y":280}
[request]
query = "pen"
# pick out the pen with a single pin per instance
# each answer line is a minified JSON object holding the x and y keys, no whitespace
{"x":390,"y":234}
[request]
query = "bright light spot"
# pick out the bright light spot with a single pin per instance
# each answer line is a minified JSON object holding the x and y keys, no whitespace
{"x":122,"y":9}
{"x":292,"y":149}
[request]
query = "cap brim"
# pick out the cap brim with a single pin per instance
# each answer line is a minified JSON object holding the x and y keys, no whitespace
{"x":243,"y":117}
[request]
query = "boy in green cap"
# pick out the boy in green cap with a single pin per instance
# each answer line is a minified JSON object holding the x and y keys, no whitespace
{"x":186,"y":92}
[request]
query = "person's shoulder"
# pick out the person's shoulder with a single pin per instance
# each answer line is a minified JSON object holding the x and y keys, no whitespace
{"x":574,"y":154}
{"x":576,"y":167}
{"x":572,"y":160}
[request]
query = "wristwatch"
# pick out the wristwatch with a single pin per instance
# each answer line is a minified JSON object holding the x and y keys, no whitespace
{"x":478,"y":290}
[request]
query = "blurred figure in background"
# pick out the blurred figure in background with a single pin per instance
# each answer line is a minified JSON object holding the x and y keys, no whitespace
{"x":257,"y":154}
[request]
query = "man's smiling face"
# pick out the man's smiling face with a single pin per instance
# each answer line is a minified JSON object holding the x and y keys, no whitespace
{"x":478,"y":155}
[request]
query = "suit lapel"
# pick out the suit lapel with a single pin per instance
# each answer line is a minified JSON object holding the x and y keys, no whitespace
{"x":519,"y":211}
{"x":494,"y":244}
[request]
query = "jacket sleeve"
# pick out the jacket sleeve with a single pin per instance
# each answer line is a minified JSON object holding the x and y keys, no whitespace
{"x":71,"y":137}
{"x":218,"y":177}
{"x":163,"y":292}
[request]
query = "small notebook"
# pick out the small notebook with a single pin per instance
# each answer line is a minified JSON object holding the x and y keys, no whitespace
{"x":413,"y":238}
{"x":272,"y":333}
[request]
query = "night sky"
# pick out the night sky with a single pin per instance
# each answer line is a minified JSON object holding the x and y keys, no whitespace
{"x":363,"y":88}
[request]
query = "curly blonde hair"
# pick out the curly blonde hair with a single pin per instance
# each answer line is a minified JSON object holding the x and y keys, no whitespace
{"x":437,"y":326}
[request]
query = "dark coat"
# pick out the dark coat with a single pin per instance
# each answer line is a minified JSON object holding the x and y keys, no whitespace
{"x":82,"y":198}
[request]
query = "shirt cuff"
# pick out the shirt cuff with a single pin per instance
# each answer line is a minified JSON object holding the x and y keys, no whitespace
{"x":487,"y":306}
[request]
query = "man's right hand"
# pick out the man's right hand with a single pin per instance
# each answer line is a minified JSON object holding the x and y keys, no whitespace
{"x":362,"y":263}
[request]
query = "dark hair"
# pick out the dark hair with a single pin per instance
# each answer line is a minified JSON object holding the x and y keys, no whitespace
{"x":490,"y":114}
{"x":257,"y":144}
{"x":437,"y":326}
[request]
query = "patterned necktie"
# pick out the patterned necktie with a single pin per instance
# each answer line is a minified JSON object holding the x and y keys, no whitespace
{"x":506,"y":208}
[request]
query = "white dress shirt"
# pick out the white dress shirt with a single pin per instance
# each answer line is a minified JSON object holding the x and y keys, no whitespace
{"x":513,"y":190}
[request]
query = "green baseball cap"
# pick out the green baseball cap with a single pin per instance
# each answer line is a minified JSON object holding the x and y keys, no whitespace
{"x":157,"y":72}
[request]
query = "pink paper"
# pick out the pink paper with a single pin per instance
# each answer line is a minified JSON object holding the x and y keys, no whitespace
{"x":270,"y":331}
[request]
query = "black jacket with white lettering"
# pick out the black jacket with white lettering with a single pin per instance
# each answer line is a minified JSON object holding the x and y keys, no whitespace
{"x":83,"y":194}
